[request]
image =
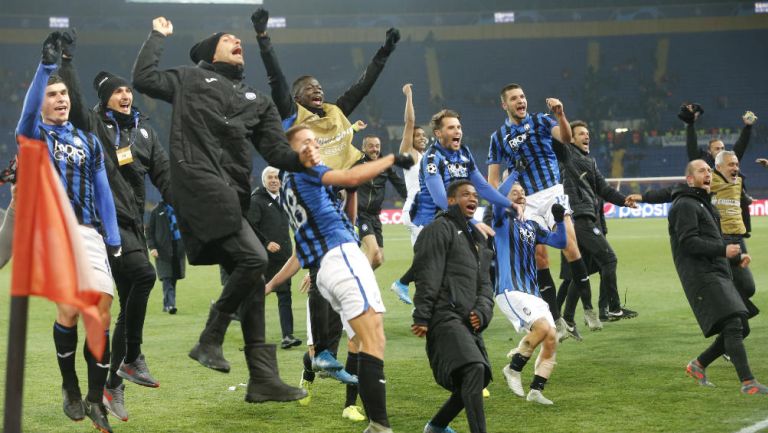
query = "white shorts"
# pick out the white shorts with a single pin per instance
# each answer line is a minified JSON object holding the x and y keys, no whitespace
{"x":538,"y":206}
{"x":346,"y":280}
{"x":522,"y":309}
{"x":414,"y":230}
{"x":344,"y":325}
{"x":96,"y":252}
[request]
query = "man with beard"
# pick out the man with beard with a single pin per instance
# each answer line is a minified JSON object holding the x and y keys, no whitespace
{"x":370,"y":196}
{"x":700,"y":257}
{"x":216,"y":119}
{"x":453,"y":305}
{"x":530,"y":143}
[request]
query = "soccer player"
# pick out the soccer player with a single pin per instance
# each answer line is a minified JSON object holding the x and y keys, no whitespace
{"x":325,"y":238}
{"x":453,"y":305}
{"x":446,"y":161}
{"x":216,"y":120}
{"x":78,"y":158}
{"x":304,"y":102}
{"x":132,"y":153}
{"x":414,"y":142}
{"x":701,"y":259}
{"x":370,"y":196}
{"x":529,"y":143}
{"x":517,"y":290}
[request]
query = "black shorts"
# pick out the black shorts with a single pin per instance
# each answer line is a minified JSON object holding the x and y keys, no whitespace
{"x":369,"y":224}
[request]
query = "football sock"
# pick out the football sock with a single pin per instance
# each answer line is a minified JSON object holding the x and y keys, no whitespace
{"x":97,"y":371}
{"x":65,"y":341}
{"x":518,"y":362}
{"x":372,"y":389}
{"x":351,"y":367}
{"x":538,"y":382}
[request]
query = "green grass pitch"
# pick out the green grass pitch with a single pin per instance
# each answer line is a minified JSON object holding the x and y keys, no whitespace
{"x":627,"y":378}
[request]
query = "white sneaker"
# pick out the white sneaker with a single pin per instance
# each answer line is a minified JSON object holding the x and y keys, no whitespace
{"x":592,"y":321}
{"x":374,"y":427}
{"x":513,"y":381}
{"x":536,"y":396}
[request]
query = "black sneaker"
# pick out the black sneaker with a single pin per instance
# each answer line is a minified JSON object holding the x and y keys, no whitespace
{"x":98,"y":414}
{"x":621,"y":313}
{"x":73,"y":404}
{"x":289,"y":341}
{"x":172,"y":309}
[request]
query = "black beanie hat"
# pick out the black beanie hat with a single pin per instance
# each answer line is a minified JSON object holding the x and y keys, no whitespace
{"x":105,"y":84}
{"x":205,"y":49}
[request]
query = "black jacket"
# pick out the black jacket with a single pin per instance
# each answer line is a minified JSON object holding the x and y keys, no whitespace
{"x":451,"y":264}
{"x":127,"y":181}
{"x":370,"y":195}
{"x":171,"y":259}
{"x":281,"y":92}
{"x":585,"y":185}
{"x":739,"y":148}
{"x":215,"y":122}
{"x":698,"y":251}
{"x":270,"y":224}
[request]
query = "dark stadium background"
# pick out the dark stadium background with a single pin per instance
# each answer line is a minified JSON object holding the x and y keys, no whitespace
{"x":616,"y":64}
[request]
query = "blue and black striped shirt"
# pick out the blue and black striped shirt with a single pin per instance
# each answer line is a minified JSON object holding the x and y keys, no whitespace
{"x":527,"y":147}
{"x":319,"y":224}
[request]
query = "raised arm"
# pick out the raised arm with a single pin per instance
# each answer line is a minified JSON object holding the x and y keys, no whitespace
{"x":78,"y":109}
{"x":147,"y":77}
{"x":362,"y":173}
{"x":269,"y":139}
{"x":406,"y":144}
{"x":33,"y":101}
{"x":740,"y":147}
{"x":355,"y":94}
{"x":561,"y":131}
{"x":486,"y":191}
{"x":278,"y":85}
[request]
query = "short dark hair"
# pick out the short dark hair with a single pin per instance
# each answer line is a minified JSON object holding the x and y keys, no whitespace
{"x":507,"y":88}
{"x":293,"y":130}
{"x":454,"y":186}
{"x":580,"y":123}
{"x":55,"y":79}
{"x":297,"y":83}
{"x":437,"y":119}
{"x":368,"y":137}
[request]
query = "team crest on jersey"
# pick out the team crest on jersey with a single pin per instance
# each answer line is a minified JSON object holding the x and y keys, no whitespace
{"x":431,"y":168}
{"x":527,"y":127}
{"x":250,"y":96}
{"x":527,"y":311}
{"x":365,"y":227}
{"x":596,"y":231}
{"x":144,"y":133}
{"x":77,"y":141}
{"x":527,"y":236}
{"x":457,"y":170}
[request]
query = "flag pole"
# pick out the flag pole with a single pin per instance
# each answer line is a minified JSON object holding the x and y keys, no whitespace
{"x":14,"y":373}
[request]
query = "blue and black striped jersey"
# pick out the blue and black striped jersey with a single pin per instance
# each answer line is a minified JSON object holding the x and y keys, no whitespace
{"x":527,"y":147}
{"x":446,"y":165}
{"x":319,"y":224}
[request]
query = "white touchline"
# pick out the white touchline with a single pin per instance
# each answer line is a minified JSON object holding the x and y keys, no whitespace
{"x":754,"y":428}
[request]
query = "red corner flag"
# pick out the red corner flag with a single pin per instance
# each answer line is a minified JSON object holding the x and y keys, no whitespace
{"x":48,"y":256}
